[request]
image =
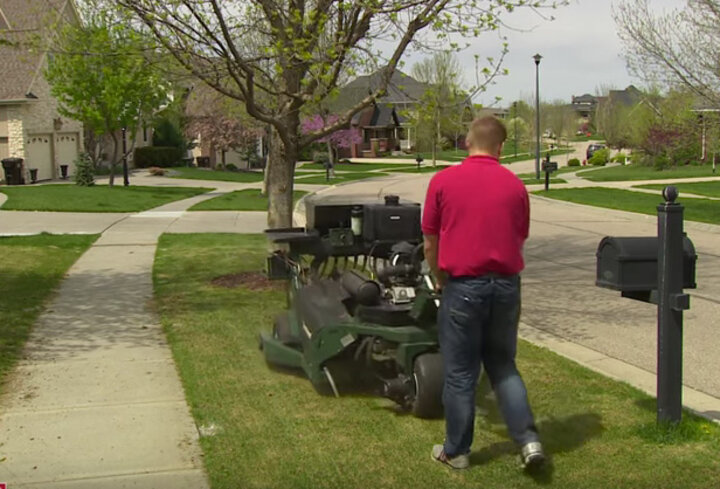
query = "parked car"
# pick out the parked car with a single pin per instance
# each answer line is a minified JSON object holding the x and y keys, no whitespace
{"x":592,"y":148}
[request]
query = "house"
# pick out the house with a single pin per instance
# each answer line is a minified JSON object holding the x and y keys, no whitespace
{"x":584,"y":105}
{"x":383,"y":125}
{"x":30,"y":126}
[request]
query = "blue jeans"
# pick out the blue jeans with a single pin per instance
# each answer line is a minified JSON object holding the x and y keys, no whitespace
{"x":478,"y":325}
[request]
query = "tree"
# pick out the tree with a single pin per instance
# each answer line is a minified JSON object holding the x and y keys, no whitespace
{"x":342,"y":138}
{"x":221,"y":123}
{"x":673,"y":49}
{"x":99,"y":75}
{"x":441,"y":107}
{"x":560,"y":119}
{"x":282,"y":58}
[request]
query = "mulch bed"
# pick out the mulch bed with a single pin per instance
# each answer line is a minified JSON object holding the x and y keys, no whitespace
{"x":249,"y":280}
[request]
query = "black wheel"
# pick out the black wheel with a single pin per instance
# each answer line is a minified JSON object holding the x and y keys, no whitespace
{"x":281,"y":330}
{"x":428,"y":374}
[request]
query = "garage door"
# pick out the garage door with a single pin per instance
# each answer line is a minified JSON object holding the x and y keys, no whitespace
{"x":39,"y":155}
{"x":4,"y":148}
{"x":66,"y":148}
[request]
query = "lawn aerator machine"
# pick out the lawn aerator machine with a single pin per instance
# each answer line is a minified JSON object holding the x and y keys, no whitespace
{"x":361,"y":302}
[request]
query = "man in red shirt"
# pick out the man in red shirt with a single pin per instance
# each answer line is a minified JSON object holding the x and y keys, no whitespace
{"x":475,"y":221}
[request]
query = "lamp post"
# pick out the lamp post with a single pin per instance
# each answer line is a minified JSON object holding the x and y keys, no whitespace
{"x":537,"y":59}
{"x":515,"y":125}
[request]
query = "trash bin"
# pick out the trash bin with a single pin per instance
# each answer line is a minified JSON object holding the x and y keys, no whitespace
{"x":13,"y":171}
{"x":203,"y":161}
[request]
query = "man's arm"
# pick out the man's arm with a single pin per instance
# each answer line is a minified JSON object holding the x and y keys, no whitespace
{"x":431,"y":256}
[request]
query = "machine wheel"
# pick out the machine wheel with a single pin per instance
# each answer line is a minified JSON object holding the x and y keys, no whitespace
{"x":281,"y":330}
{"x":428,"y":374}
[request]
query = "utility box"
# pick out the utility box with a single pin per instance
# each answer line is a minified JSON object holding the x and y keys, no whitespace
{"x":631,"y":264}
{"x":13,"y":171}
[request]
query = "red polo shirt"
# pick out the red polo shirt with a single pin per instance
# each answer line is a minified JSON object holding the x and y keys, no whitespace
{"x":481,"y":213}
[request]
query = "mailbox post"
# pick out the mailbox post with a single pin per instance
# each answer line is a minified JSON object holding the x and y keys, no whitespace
{"x":656,"y":270}
{"x":419,"y":160}
{"x":671,"y":304}
{"x":548,"y":167}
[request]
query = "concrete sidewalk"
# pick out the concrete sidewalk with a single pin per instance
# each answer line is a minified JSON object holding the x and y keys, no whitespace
{"x":97,"y":402}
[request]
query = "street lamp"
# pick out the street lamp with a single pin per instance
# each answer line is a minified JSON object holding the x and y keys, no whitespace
{"x":537,"y":59}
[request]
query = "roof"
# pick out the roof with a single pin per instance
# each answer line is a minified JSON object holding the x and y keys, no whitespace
{"x":401,"y":89}
{"x":584,"y":99}
{"x":25,"y":20}
{"x":630,"y":96}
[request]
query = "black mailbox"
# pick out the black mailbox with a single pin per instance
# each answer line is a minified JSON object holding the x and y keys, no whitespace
{"x":631,"y":264}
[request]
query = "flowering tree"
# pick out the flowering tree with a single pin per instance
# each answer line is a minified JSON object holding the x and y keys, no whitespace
{"x":342,"y":138}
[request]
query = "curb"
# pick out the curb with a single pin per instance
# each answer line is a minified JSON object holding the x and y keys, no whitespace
{"x":696,"y":401}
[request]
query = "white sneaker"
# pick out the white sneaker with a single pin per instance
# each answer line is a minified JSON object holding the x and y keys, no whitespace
{"x":456,"y":462}
{"x":532,"y":455}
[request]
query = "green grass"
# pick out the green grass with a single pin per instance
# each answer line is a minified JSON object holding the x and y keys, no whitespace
{"x":709,"y":189}
{"x":541,"y":181}
{"x":216,"y":175}
{"x":425,"y":168}
{"x":240,"y":200}
{"x":98,"y":198}
{"x":31,"y":269}
{"x":338,"y":178}
{"x":702,"y":210}
{"x":272,"y":430}
{"x":354,"y":167}
{"x":633,"y":172}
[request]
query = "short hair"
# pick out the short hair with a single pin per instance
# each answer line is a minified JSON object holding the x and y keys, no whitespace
{"x":486,"y":133}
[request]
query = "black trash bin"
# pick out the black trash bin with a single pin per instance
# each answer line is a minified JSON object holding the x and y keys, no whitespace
{"x":13,"y":171}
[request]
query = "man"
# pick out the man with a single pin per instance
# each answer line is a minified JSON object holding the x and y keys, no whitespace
{"x":475,"y":221}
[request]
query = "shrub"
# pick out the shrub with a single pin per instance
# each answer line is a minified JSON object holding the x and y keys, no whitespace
{"x":619,"y":158}
{"x":167,"y":134}
{"x":156,"y":171}
{"x":320,"y":157}
{"x":345,"y":161}
{"x":161,"y":156}
{"x":231,"y":167}
{"x":573,"y":162}
{"x":600,"y":157}
{"x":84,"y":171}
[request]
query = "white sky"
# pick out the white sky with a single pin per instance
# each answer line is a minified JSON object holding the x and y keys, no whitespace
{"x":581,"y":50}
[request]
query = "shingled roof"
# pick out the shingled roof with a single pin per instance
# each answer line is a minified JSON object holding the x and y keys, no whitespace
{"x":401,"y":89}
{"x":21,"y":22}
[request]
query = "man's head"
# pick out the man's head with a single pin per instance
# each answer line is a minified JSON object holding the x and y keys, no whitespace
{"x":486,"y":136}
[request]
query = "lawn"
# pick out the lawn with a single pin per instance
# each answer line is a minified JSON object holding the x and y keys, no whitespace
{"x":268,"y":429}
{"x":703,"y":210}
{"x":218,"y":175}
{"x":338,"y":178}
{"x":633,"y":172}
{"x":425,"y":168}
{"x":354,"y":167}
{"x":98,"y":198}
{"x":541,"y":181}
{"x":240,"y":200}
{"x":709,"y":189}
{"x":31,"y":269}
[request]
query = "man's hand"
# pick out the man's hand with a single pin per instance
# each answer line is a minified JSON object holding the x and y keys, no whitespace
{"x":430,"y":247}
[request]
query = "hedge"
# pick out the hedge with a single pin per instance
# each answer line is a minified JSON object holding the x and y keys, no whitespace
{"x":162,"y":156}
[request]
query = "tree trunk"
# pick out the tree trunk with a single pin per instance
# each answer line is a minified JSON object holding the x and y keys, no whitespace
{"x":331,"y":158}
{"x":280,"y":171}
{"x":114,"y":159}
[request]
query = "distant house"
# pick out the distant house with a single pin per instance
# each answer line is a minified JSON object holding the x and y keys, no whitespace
{"x":584,"y":105}
{"x":384,"y":125}
{"x":30,"y":125}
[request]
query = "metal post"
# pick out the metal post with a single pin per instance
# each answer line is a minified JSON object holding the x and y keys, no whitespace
{"x":537,"y":59}
{"x":547,"y":173}
{"x":671,"y":303}
{"x":515,"y":124}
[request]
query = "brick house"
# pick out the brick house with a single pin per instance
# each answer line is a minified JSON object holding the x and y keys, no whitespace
{"x":30,"y":125}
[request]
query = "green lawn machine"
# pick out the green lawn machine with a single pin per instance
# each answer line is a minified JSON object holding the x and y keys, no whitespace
{"x":361,"y":309}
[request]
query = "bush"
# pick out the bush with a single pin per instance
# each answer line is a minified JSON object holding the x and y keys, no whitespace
{"x":84,"y":171}
{"x":156,"y":171}
{"x":167,"y":134}
{"x":231,"y":167}
{"x":600,"y":157}
{"x":619,"y":158}
{"x":321,"y":158}
{"x":573,"y":162}
{"x":161,"y":156}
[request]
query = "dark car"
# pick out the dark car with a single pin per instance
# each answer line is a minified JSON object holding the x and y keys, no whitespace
{"x":592,"y":148}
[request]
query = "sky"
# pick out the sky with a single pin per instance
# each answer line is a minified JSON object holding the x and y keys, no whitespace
{"x":581,"y":51}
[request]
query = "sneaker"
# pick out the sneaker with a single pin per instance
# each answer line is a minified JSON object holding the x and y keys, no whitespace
{"x":532,"y":455}
{"x":456,"y":462}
